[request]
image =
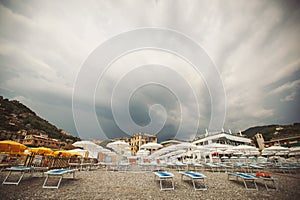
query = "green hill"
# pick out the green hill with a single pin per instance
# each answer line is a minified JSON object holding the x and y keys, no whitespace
{"x":270,"y":132}
{"x":14,"y":117}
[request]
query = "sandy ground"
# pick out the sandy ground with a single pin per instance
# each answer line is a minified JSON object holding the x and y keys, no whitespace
{"x":100,"y":184}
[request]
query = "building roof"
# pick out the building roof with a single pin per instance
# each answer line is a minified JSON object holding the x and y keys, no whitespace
{"x":144,"y":134}
{"x":172,"y":141}
{"x":227,"y":136}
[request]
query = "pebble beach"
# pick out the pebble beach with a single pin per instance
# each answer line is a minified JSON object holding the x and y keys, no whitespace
{"x":102,"y":184}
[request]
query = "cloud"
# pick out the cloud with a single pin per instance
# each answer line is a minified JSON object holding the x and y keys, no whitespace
{"x":43,"y":46}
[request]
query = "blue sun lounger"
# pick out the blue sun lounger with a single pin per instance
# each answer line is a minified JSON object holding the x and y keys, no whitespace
{"x":271,"y":186}
{"x":195,"y":176}
{"x":246,"y":178}
{"x":163,"y":176}
{"x":16,"y":169}
{"x":57,"y":173}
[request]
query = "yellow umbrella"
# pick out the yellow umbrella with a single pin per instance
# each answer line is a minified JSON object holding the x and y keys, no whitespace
{"x":75,"y":154}
{"x":41,"y":150}
{"x":11,"y":147}
{"x":62,"y":153}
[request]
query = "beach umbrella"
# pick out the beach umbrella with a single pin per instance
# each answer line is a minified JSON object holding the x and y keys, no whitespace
{"x":294,"y":151}
{"x":228,"y":151}
{"x":268,"y":153}
{"x":62,"y":153}
{"x":41,"y":150}
{"x":244,"y":148}
{"x":151,"y":145}
{"x":118,"y":146}
{"x":91,"y":147}
{"x":185,"y":145}
{"x":11,"y":147}
{"x":274,"y":150}
{"x":218,"y":146}
{"x":79,"y":152}
{"x":142,"y":153}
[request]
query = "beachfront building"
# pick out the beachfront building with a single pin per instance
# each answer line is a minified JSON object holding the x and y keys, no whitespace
{"x":223,"y":138}
{"x":138,"y":139}
{"x":260,"y":141}
{"x":42,"y":140}
{"x":293,"y":141}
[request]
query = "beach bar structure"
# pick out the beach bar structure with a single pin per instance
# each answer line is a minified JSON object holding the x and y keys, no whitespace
{"x":223,"y":138}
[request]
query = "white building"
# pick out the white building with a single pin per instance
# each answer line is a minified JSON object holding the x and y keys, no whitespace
{"x":223,"y":138}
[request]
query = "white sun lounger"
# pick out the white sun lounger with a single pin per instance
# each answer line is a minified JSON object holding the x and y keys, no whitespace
{"x":16,"y":169}
{"x":246,"y":178}
{"x":57,"y":173}
{"x":195,"y":176}
{"x":163,"y":176}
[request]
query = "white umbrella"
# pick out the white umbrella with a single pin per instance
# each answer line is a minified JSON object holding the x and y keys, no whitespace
{"x":274,"y":150}
{"x":294,"y":151}
{"x":228,"y":151}
{"x":151,"y":145}
{"x":91,"y":147}
{"x":118,"y":146}
{"x":84,"y":144}
{"x":142,"y":153}
{"x":244,"y":148}
{"x":185,"y":145}
{"x":218,"y":146}
{"x":80,"y":151}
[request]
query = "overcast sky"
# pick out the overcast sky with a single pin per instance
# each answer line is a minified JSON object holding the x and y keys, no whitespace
{"x":235,"y":62}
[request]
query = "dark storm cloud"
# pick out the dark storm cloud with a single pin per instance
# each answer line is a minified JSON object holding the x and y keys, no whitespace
{"x":255,"y":46}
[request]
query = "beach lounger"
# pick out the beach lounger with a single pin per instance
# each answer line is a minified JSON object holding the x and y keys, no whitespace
{"x":246,"y":178}
{"x":195,"y":176}
{"x":123,"y":167}
{"x":163,"y":176}
{"x":17,"y":169}
{"x":267,"y":180}
{"x":212,"y":167}
{"x":57,"y":173}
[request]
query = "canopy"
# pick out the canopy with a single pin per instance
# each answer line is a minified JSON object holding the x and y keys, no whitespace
{"x":11,"y":147}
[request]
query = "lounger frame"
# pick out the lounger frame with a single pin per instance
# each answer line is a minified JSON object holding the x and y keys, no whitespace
{"x":195,"y":176}
{"x":164,"y":176}
{"x":273,"y":183}
{"x":246,"y":178}
{"x":11,"y":170}
{"x":57,"y":173}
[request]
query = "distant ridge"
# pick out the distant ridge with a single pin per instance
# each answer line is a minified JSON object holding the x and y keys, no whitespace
{"x":275,"y":131}
{"x":15,"y":116}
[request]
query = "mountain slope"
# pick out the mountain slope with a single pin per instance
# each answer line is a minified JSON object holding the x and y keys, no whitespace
{"x":270,"y":132}
{"x":14,"y":116}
